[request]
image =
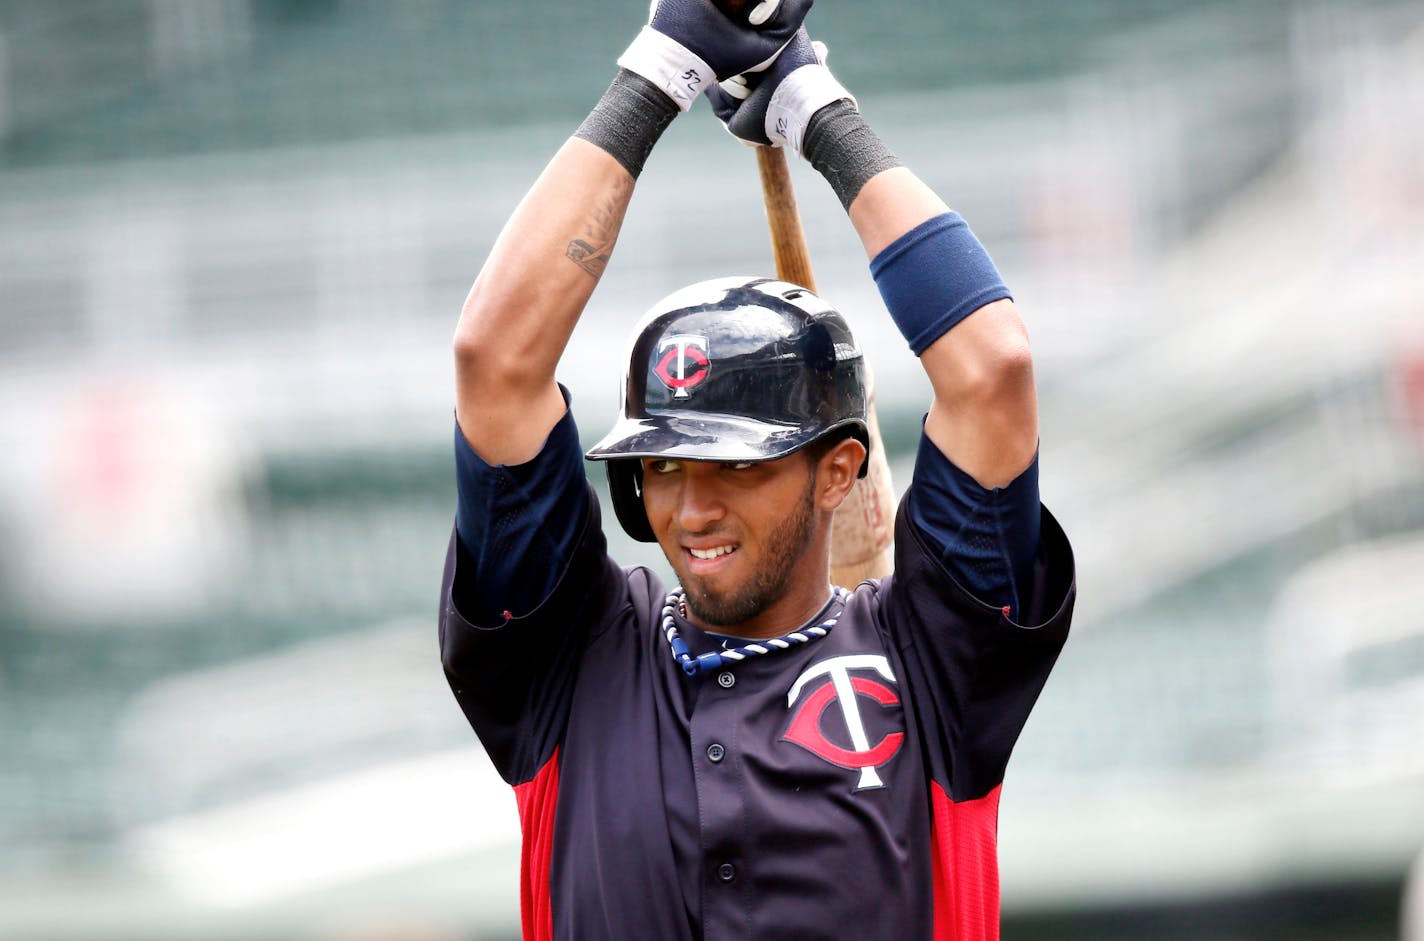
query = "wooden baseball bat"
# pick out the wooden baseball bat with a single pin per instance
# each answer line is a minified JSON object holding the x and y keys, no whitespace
{"x":863,"y":529}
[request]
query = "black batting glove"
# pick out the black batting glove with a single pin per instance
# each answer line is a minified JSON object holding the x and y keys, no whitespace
{"x":689,"y":45}
{"x":773,"y":107}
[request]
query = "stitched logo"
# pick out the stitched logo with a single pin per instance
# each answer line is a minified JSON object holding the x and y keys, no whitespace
{"x":805,"y":728}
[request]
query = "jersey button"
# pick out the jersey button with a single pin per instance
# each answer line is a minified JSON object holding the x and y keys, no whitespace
{"x":716,"y":752}
{"x":726,"y":872}
{"x":726,"y":680}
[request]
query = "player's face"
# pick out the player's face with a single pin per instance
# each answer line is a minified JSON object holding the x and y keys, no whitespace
{"x":739,"y":536}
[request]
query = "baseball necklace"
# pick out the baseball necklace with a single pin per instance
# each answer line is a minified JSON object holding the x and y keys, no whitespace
{"x":714,"y":661}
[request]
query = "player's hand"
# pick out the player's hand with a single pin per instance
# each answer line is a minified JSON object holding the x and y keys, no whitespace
{"x":689,"y":45}
{"x":772,"y":107}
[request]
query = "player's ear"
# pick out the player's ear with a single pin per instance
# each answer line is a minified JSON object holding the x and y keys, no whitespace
{"x":836,"y":472}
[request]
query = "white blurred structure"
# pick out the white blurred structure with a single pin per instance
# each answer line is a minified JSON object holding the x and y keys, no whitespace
{"x":1412,"y":922}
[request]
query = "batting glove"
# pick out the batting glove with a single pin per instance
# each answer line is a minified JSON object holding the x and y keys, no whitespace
{"x":773,"y":107}
{"x":689,"y":45}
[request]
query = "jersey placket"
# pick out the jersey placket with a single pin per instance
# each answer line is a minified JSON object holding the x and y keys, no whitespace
{"x":717,"y":723}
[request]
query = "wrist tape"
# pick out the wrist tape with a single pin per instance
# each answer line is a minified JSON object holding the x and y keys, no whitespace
{"x":934,"y":276}
{"x":844,"y":150}
{"x":800,"y":95}
{"x":628,"y":120}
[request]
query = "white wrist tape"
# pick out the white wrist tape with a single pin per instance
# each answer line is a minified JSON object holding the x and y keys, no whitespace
{"x":800,"y":95}
{"x":668,"y":64}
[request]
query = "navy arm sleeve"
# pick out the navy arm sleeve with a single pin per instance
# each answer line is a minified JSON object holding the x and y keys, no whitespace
{"x":975,"y":670}
{"x":509,"y":516}
{"x":527,"y":580}
{"x":984,"y":537}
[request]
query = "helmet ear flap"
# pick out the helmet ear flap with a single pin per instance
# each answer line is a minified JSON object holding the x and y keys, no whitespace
{"x":625,"y":485}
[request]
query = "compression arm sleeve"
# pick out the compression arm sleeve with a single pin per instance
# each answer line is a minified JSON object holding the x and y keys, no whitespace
{"x":516,"y":524}
{"x":934,"y":276}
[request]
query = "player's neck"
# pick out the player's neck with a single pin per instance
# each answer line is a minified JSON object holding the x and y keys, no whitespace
{"x":803,"y":600}
{"x":812,"y":613}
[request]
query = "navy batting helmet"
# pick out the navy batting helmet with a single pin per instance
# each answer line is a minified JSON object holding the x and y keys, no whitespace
{"x":735,"y":369}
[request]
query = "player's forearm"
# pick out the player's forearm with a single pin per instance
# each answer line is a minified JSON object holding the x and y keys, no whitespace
{"x":945,"y":295}
{"x":537,"y":280}
{"x":961,"y":321}
{"x":525,"y":303}
{"x":548,"y":259}
{"x":889,"y":204}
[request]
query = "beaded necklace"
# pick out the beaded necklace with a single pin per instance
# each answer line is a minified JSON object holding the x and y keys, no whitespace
{"x":714,"y":661}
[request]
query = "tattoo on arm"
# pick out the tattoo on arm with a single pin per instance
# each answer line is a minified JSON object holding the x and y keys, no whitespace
{"x":592,"y":251}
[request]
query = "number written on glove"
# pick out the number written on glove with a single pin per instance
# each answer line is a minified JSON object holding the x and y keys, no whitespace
{"x":688,"y":45}
{"x":772,"y":107}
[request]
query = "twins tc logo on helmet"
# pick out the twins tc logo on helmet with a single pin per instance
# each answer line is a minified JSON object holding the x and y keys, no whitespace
{"x":682,"y":363}
{"x":844,"y":689}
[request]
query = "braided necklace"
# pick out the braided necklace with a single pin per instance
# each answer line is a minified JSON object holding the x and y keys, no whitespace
{"x":714,"y":661}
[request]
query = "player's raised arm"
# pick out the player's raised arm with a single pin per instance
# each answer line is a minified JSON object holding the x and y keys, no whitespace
{"x":941,"y":287}
{"x":968,"y":334}
{"x":527,"y":298}
{"x":546,"y":262}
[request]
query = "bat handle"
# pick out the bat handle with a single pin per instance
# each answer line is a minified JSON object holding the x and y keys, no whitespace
{"x":863,"y":528}
{"x":788,"y":239}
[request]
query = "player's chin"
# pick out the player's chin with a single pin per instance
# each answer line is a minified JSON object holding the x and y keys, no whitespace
{"x":718,"y":587}
{"x":719,"y":584}
{"x":719,"y":607}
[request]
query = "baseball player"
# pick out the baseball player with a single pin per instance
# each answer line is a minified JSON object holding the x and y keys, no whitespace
{"x":751,"y":752}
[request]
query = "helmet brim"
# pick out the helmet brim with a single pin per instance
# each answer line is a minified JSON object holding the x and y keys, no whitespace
{"x":703,"y":437}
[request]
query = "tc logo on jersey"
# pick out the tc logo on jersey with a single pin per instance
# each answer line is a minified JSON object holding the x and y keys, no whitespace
{"x":683,"y":363}
{"x":843,"y":689}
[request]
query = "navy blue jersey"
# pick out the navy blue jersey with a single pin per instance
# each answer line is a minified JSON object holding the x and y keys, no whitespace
{"x":847,"y":787}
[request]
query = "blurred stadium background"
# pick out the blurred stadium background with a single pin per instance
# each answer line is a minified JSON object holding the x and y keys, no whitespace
{"x":234,"y":238}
